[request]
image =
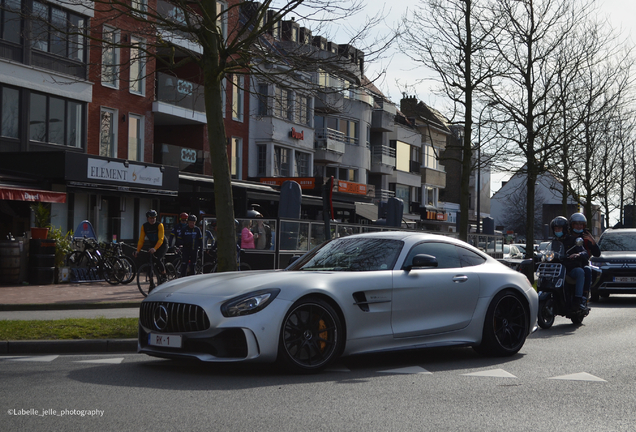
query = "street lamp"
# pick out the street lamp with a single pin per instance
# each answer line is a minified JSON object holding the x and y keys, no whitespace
{"x":478,"y":185}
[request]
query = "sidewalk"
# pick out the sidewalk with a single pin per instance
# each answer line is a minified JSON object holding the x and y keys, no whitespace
{"x":92,"y":295}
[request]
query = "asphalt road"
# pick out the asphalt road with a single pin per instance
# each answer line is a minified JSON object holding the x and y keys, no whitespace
{"x":567,"y":378}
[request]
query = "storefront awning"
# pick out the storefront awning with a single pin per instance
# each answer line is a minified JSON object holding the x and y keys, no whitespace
{"x":35,"y":195}
{"x":367,"y":211}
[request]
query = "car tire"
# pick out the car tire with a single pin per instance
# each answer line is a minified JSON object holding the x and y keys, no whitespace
{"x":505,"y":326}
{"x":311,"y":336}
{"x":545,"y":318}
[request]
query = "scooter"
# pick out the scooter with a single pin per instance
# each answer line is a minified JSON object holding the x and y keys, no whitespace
{"x":556,"y":290}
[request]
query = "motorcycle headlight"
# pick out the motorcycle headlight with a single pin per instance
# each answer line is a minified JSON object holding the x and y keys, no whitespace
{"x":249,"y":303}
{"x":548,"y":256}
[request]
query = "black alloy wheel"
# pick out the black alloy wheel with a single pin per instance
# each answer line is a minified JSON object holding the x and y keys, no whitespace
{"x":506,"y":325}
{"x":311,"y":336}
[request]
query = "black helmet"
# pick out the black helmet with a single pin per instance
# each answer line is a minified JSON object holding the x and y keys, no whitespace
{"x":151,"y":213}
{"x":559,"y":221}
{"x":192,"y":218}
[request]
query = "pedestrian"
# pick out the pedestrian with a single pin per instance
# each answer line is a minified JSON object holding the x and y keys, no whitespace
{"x":247,"y":237}
{"x":262,"y":234}
{"x":191,"y":241}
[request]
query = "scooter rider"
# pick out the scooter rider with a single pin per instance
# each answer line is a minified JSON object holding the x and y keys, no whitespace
{"x":576,"y":259}
{"x":578,"y":223}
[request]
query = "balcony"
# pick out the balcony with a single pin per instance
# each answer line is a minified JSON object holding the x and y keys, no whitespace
{"x":329,"y":145}
{"x":329,"y":101}
{"x":433,"y":177}
{"x":178,"y":101}
{"x":383,"y":118}
{"x":382,"y":160}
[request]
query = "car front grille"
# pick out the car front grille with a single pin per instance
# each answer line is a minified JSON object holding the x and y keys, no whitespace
{"x":167,"y":317}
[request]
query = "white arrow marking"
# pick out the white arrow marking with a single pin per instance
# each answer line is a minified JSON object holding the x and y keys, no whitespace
{"x":49,"y":358}
{"x":408,"y":370}
{"x":497,"y":373}
{"x":581,"y":376}
{"x":117,"y":360}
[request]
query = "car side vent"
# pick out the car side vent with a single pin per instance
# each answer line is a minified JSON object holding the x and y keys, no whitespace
{"x":361,"y":301}
{"x":167,"y":317}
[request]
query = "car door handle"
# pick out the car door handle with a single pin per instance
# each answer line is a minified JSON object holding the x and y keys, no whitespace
{"x":460,"y":278}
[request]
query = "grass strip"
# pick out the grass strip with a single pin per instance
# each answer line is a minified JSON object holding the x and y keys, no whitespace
{"x":70,"y":328}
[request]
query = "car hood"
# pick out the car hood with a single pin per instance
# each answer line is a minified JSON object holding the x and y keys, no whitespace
{"x":609,"y":255}
{"x":231,"y":284}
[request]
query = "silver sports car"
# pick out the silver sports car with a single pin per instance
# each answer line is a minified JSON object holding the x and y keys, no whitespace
{"x":358,"y":294}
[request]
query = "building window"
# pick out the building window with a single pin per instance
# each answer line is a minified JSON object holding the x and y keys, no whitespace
{"x":302,"y":164}
{"x":430,"y":157}
{"x":430,"y":196}
{"x":53,"y":30}
{"x":304,"y":110}
{"x":221,"y":19}
{"x":237,"y":97}
{"x":55,"y":120}
{"x":263,"y":100}
{"x":135,"y":137}
{"x":139,"y":7}
{"x":10,"y":120}
{"x":137,"y":66}
{"x":402,"y":156}
{"x":281,"y":162}
{"x":223,"y":96}
{"x":10,"y":22}
{"x":235,"y":161}
{"x":110,"y":57}
{"x":108,"y":133}
{"x":261,"y":158}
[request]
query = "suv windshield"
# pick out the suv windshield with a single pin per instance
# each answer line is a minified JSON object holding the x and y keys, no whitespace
{"x":617,"y":241}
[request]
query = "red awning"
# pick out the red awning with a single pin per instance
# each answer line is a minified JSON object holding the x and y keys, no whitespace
{"x":35,"y":195}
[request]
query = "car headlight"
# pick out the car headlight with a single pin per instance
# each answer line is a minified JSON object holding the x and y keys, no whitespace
{"x":548,"y":256}
{"x":249,"y":303}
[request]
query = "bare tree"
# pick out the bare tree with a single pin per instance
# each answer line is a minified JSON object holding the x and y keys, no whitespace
{"x":516,"y":217}
{"x":452,"y":38}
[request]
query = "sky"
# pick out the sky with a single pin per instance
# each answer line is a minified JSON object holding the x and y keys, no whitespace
{"x":401,"y":71}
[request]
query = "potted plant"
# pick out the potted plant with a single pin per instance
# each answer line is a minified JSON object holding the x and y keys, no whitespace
{"x":42,"y":217}
{"x":63,"y":246}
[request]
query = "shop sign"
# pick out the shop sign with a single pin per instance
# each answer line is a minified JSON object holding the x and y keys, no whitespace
{"x":352,"y":188}
{"x":304,"y":182}
{"x":112,"y":171}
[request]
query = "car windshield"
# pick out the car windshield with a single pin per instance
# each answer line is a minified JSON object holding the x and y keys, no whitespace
{"x":617,"y":241}
{"x":352,"y":254}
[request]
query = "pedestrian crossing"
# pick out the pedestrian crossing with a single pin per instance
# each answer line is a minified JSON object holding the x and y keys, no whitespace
{"x":407,"y":370}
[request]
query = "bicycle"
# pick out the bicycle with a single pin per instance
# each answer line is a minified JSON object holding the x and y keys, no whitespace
{"x":130,"y":268}
{"x":149,"y":277}
{"x":90,"y":264}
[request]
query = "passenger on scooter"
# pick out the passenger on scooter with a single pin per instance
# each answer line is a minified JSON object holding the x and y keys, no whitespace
{"x":576,"y":259}
{"x":578,"y":223}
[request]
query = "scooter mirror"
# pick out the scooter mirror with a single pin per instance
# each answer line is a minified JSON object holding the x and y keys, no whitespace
{"x":579,"y":241}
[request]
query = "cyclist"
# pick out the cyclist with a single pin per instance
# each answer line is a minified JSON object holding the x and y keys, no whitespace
{"x":191,"y":240}
{"x":153,"y":230}
{"x":175,"y":235}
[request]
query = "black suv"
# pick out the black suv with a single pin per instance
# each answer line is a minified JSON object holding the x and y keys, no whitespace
{"x":618,"y":262}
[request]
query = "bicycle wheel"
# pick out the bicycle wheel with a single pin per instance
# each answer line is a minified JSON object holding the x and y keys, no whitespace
{"x":147,"y":279}
{"x":112,"y":269}
{"x":130,"y":269}
{"x":209,"y":268}
{"x":171,"y":271}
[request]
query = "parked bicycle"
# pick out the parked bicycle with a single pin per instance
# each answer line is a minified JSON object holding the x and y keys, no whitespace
{"x":149,"y":276}
{"x":130,"y":268}
{"x":89,"y":264}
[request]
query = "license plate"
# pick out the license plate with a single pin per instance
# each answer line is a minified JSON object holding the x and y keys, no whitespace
{"x":624,"y":279}
{"x":170,"y":341}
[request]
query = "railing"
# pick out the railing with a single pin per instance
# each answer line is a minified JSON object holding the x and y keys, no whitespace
{"x":179,"y":92}
{"x":384,"y":155}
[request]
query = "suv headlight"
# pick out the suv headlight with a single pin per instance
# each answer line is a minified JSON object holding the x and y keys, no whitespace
{"x":249,"y":303}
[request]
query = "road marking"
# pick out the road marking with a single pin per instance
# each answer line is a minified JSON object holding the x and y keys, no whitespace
{"x":497,"y":373}
{"x":408,"y":370}
{"x":117,"y":360}
{"x":581,"y":376}
{"x":48,"y":358}
{"x":338,"y":368}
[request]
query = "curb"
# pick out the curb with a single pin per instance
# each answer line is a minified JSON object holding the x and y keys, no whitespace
{"x":88,"y":346}
{"x":67,"y":306}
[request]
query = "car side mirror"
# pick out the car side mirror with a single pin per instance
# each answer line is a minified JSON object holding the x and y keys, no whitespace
{"x":422,"y":261}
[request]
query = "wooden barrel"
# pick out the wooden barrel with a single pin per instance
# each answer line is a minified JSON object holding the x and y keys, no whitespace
{"x":41,"y":262}
{"x":10,"y":261}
